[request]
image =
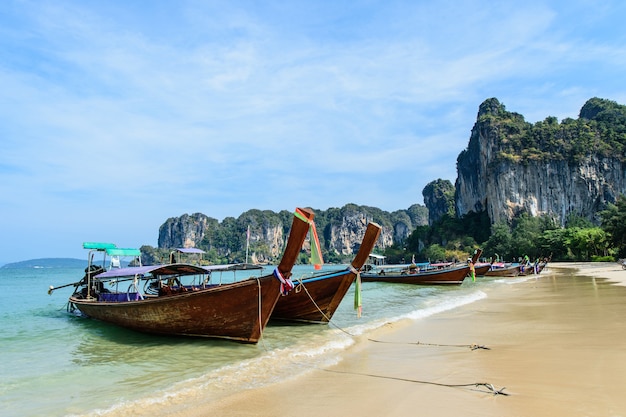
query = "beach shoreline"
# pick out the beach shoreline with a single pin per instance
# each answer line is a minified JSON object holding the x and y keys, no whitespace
{"x":552,"y":344}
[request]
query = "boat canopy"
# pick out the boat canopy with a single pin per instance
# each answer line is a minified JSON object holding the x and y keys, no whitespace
{"x":155,"y":270}
{"x":377,"y":260}
{"x":189,"y":250}
{"x":178,"y":252}
{"x":232,"y":267}
{"x":98,"y":246}
{"x":123,"y":252}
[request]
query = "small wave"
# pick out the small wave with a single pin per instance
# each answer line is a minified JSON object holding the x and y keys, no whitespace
{"x":448,"y":303}
{"x":273,"y":366}
{"x":278,"y":364}
{"x":516,"y":280}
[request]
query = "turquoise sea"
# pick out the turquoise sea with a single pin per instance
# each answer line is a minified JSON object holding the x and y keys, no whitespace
{"x":56,"y":363}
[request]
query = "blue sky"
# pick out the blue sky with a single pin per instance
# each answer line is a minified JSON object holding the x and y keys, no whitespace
{"x":117,"y":115}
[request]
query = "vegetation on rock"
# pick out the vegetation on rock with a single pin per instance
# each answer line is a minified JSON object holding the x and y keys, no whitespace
{"x":226,"y":241}
{"x":599,"y":130}
{"x":503,"y":141}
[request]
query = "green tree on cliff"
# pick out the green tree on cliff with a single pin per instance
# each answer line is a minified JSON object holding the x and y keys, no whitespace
{"x":614,"y":223}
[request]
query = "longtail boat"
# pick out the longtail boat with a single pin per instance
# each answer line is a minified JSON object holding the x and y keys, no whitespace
{"x":423,"y":274}
{"x":316,"y":298}
{"x":482,"y":268}
{"x":451,"y":275}
{"x":236,"y":311}
{"x":532,"y":269}
{"x":502,"y":270}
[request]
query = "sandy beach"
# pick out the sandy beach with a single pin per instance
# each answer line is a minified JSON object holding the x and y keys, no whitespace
{"x":556,"y":345}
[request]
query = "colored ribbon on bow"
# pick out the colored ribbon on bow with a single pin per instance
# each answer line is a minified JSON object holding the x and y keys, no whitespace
{"x":286,"y":284}
{"x":316,"y":251}
{"x":357,"y":291}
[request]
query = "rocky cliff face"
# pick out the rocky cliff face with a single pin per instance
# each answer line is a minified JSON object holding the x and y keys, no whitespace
{"x":184,"y":231}
{"x":344,"y":237}
{"x":491,"y":178}
{"x":340,"y":231}
{"x":201,"y":231}
{"x":439,"y":200}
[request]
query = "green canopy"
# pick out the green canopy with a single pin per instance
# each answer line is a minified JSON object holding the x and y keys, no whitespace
{"x":98,"y":245}
{"x":123,"y":252}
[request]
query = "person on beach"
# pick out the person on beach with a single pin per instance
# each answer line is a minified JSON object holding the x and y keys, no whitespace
{"x":472,"y":270}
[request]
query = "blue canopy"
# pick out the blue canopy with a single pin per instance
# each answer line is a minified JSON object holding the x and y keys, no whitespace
{"x":172,"y":269}
{"x":154,"y":270}
{"x":190,"y":250}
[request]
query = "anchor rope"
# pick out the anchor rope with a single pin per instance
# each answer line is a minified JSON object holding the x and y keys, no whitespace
{"x":490,"y":388}
{"x":301,"y":286}
{"x":484,"y":387}
{"x":472,"y":346}
{"x":261,"y":338}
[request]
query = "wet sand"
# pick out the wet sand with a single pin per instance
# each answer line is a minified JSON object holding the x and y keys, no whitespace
{"x":557,"y":343}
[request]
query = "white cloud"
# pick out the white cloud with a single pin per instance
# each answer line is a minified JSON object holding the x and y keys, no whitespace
{"x":190,"y":106}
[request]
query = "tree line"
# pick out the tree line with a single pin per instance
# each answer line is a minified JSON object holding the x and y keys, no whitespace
{"x":451,"y":238}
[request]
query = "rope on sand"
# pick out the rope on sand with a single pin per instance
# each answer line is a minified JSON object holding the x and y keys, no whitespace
{"x":301,"y":286}
{"x":473,"y":346}
{"x":479,"y":386}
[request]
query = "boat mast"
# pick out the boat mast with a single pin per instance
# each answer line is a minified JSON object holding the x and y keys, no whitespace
{"x":247,"y":243}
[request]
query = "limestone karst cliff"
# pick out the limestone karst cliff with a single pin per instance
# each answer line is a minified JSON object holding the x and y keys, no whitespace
{"x":511,"y":166}
{"x":340,"y":231}
{"x":573,"y":167}
{"x":267,"y":234}
{"x":439,"y":199}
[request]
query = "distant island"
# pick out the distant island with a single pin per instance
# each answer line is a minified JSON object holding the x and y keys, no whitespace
{"x":47,"y":263}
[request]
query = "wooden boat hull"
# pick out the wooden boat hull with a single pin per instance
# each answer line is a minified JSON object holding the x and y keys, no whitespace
{"x":481,"y":270}
{"x":531,"y":270}
{"x":217,"y":312}
{"x":448,"y":276}
{"x":511,"y":271}
{"x":237,"y":311}
{"x":315,"y":299}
